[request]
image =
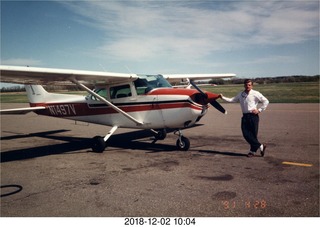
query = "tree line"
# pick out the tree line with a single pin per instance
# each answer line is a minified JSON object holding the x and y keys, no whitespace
{"x":21,"y":88}
{"x":269,"y":80}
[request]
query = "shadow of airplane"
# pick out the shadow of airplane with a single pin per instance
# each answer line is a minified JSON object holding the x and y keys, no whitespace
{"x":135,"y":140}
{"x":127,"y":140}
{"x":38,"y":134}
{"x":72,"y":144}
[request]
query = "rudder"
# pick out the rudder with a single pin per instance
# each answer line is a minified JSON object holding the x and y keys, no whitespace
{"x":36,"y":93}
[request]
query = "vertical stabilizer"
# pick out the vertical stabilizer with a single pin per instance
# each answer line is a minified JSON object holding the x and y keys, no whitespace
{"x":36,"y":93}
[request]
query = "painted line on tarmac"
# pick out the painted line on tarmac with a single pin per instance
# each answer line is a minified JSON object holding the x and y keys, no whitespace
{"x":297,"y":164}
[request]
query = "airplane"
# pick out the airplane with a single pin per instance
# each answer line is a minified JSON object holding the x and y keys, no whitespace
{"x":118,"y":100}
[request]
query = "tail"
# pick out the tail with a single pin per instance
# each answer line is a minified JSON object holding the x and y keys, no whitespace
{"x":36,"y":94}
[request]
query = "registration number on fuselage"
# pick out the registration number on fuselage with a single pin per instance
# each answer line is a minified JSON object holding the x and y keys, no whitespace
{"x":62,"y":110}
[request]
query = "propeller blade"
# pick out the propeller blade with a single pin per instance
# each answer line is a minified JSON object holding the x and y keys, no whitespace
{"x":217,"y":105}
{"x":198,"y":89}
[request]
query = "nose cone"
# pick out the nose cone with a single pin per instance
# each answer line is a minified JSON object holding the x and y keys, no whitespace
{"x":211,"y":97}
{"x":212,"y":100}
{"x":204,"y":98}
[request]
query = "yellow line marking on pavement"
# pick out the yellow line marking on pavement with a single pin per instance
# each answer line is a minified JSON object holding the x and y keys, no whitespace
{"x":297,"y":164}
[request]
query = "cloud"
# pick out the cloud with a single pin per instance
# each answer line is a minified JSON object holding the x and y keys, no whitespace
{"x":21,"y":61}
{"x":193,"y":30}
{"x":288,"y":23}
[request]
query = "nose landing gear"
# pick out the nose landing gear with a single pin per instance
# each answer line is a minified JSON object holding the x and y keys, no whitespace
{"x":183,"y":143}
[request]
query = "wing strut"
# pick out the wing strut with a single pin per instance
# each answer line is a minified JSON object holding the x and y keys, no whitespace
{"x":107,"y":102}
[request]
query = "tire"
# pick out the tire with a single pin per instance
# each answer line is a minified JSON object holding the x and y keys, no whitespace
{"x":161,"y":135}
{"x":184,"y":145}
{"x":98,"y":144}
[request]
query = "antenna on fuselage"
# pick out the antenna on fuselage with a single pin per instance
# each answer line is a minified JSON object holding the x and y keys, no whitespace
{"x":130,"y":72}
{"x":128,"y":69}
{"x":102,"y":67}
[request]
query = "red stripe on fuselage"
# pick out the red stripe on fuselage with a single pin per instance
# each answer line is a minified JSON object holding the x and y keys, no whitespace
{"x":83,"y":109}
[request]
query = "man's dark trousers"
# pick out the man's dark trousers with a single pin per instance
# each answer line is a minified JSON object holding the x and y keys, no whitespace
{"x":250,"y":127}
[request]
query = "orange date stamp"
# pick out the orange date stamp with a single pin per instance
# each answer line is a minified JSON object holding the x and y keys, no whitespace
{"x":254,"y":204}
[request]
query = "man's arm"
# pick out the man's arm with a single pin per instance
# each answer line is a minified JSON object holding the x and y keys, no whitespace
{"x":233,"y":99}
{"x":264,"y":102}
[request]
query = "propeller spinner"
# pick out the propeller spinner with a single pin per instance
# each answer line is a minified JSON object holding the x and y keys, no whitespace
{"x":210,"y":98}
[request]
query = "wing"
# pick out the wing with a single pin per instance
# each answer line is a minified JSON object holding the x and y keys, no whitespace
{"x":44,"y":76}
{"x":22,"y":110}
{"x":183,"y":77}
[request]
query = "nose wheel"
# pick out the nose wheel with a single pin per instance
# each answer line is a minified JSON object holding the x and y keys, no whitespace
{"x":183,"y":143}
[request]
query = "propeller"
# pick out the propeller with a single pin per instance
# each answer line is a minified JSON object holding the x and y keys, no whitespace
{"x":210,"y":97}
{"x":217,"y":105}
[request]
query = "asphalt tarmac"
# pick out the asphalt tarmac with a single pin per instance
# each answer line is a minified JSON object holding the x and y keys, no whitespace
{"x":48,"y":169}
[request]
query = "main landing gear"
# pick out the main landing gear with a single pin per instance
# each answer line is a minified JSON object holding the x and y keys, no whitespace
{"x":99,"y":143}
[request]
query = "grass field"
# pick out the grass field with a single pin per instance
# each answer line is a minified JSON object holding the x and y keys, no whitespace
{"x":276,"y":93}
{"x":21,"y":97}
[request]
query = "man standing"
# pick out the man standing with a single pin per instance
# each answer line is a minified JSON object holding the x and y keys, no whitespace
{"x":249,"y":100}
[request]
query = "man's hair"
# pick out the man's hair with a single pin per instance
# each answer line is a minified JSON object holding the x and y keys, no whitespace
{"x":247,"y":81}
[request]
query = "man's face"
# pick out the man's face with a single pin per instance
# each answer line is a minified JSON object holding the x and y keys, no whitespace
{"x":248,"y":86}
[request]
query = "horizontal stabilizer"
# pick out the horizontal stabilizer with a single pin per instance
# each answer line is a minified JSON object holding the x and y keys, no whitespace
{"x":22,"y":110}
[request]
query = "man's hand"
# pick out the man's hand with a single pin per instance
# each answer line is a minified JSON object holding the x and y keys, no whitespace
{"x":255,"y":111}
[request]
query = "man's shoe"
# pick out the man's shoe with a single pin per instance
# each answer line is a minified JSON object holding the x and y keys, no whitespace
{"x":263,"y":148}
{"x":250,"y":154}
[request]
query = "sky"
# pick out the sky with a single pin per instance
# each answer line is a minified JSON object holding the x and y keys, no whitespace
{"x":249,"y":38}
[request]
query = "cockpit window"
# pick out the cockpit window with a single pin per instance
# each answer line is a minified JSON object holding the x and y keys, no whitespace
{"x":100,"y":91}
{"x":146,"y":83}
{"x":120,"y":91}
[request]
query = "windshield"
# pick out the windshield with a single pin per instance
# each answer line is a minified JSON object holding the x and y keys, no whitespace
{"x":146,"y":83}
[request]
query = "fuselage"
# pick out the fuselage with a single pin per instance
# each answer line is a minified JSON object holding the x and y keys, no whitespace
{"x":151,"y":100}
{"x":160,"y":108}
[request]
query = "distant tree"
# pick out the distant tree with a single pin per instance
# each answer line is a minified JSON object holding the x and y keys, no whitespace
{"x":217,"y":81}
{"x":16,"y":88}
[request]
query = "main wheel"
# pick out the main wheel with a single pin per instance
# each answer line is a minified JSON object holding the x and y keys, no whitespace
{"x":98,"y":144}
{"x":184,"y":144}
{"x":161,"y":134}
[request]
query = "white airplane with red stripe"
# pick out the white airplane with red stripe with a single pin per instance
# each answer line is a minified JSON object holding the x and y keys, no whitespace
{"x":119,"y":100}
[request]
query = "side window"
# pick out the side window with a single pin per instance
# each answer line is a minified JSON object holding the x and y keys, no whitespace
{"x":120,"y":91}
{"x":103,"y":93}
{"x":100,"y":91}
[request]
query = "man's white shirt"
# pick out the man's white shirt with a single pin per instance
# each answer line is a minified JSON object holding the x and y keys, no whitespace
{"x":249,"y":102}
